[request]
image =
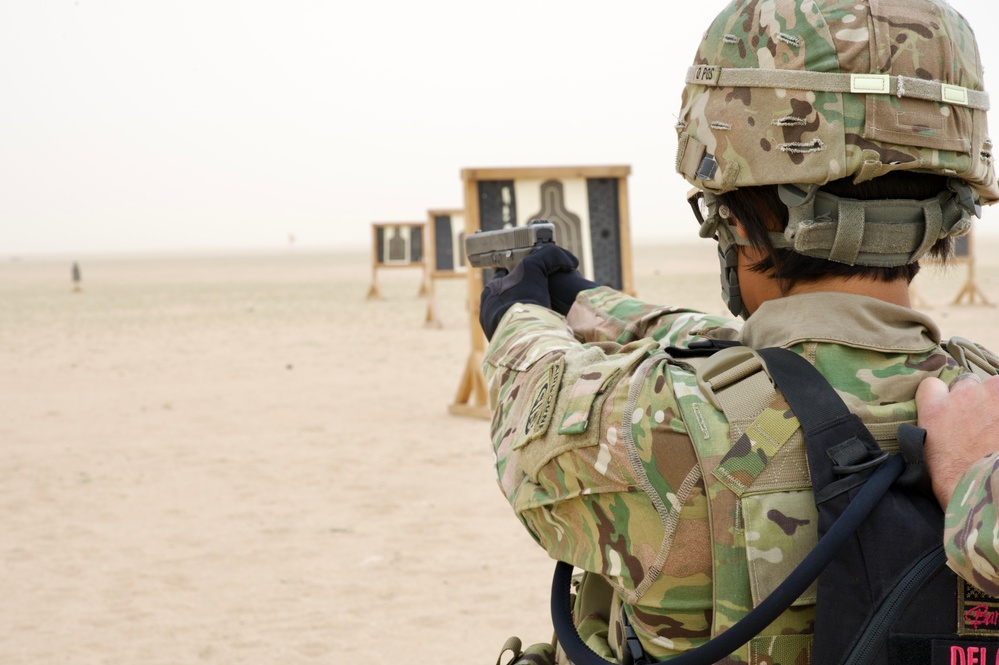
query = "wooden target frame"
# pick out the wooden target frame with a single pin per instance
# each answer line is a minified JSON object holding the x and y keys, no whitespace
{"x":445,"y":254}
{"x":964,"y":252}
{"x":397,"y":245}
{"x":589,"y":207}
{"x":970,"y":294}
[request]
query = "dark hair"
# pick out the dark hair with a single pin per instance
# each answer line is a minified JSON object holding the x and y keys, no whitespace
{"x":760,"y":211}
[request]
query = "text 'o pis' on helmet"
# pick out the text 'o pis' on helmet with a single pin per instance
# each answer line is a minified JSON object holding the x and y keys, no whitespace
{"x":803,"y":92}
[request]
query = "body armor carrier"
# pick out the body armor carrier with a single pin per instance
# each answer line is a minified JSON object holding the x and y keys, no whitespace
{"x":884,"y":594}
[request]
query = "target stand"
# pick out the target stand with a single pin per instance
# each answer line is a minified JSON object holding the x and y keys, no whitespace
{"x":964,"y":251}
{"x":397,"y":245}
{"x":588,"y":205}
{"x":445,"y":255}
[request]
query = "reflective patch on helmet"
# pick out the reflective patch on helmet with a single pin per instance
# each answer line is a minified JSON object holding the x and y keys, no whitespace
{"x":708,"y":167}
{"x":720,"y":125}
{"x":879,"y":84}
{"x":954,"y":94}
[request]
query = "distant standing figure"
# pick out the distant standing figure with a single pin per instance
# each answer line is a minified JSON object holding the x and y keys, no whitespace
{"x":76,"y":277}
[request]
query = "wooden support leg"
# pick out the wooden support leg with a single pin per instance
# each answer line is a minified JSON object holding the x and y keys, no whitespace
{"x":471,"y":399}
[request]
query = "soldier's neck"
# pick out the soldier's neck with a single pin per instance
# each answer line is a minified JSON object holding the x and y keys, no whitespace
{"x":895,"y":292}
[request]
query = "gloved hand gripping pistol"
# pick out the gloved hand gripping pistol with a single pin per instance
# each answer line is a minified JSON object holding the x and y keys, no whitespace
{"x":530,"y":268}
{"x":502,"y":250}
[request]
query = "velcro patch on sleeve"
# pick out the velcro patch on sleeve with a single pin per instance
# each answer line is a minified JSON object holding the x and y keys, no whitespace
{"x":542,"y":404}
{"x":583,"y":396}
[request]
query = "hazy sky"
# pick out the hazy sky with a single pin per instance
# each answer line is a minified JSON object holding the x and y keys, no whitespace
{"x":217,"y":124}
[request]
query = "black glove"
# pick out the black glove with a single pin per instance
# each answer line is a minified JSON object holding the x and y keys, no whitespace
{"x":563,"y":287}
{"x":528,"y":284}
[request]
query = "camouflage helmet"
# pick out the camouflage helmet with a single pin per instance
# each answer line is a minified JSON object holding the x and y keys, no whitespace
{"x":798,"y":93}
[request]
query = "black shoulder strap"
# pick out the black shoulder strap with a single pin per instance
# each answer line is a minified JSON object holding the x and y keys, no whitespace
{"x":831,"y":431}
{"x":700,"y":347}
{"x":823,"y":415}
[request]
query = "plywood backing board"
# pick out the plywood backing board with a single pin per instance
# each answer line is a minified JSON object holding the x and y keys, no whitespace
{"x":588,"y":206}
{"x":397,"y":245}
{"x":445,"y":254}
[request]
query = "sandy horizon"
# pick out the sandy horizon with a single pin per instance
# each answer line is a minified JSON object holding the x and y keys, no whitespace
{"x":241,"y":459}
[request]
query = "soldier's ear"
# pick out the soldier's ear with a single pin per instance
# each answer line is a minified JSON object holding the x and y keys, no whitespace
{"x":726,"y":214}
{"x":738,"y":228}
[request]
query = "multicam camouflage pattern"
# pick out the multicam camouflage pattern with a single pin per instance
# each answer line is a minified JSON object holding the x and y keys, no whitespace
{"x":767,"y":135}
{"x":972,"y":526}
{"x":513,"y":653}
{"x":691,"y":518}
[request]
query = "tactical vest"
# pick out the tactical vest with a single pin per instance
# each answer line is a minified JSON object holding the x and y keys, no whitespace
{"x":886,"y":598}
{"x":754,"y":465}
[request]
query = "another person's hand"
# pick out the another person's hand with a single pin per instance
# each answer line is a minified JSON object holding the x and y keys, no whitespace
{"x":962,"y":427}
{"x":528,"y":283}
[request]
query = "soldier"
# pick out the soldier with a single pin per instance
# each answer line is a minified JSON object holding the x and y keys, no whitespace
{"x":832,"y":144}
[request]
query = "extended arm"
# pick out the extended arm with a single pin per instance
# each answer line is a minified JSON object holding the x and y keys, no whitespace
{"x":962,"y":454}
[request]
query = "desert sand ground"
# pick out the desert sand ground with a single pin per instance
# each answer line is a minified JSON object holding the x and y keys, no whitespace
{"x":241,"y":459}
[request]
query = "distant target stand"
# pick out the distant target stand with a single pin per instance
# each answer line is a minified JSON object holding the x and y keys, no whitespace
{"x":964,"y":252}
{"x":588,"y":205}
{"x":397,"y":245}
{"x":970,"y":293}
{"x":445,"y":255}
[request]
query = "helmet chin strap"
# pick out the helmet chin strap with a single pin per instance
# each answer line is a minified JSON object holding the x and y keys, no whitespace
{"x":716,"y":225}
{"x":731,"y":293}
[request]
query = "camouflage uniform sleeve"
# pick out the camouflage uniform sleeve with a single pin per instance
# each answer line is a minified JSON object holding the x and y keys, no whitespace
{"x":971,"y":533}
{"x":573,"y":428}
{"x":603,"y":314}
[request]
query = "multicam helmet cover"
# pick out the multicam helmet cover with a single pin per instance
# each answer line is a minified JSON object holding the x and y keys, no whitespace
{"x":802,"y":92}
